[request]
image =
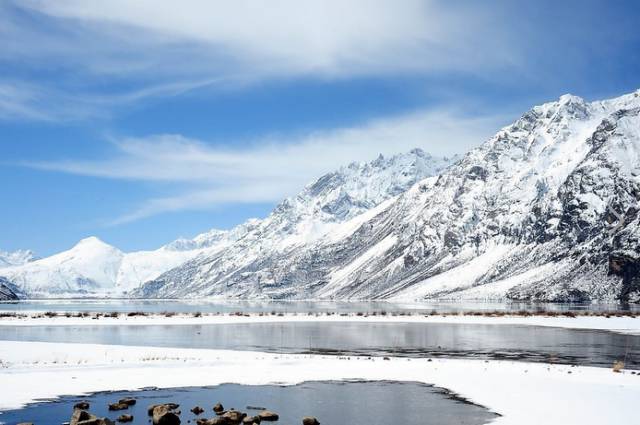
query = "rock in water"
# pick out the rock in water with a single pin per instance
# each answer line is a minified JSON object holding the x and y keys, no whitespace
{"x":170,"y":406}
{"x":214,"y":421}
{"x":162,"y":415}
{"x":267,"y":415}
{"x":125,"y":418}
{"x":118,"y":406}
{"x":128,"y":401}
{"x":82,"y":417}
{"x":79,"y":415}
{"x":233,"y":416}
{"x":197,"y":410}
{"x":82,"y":405}
{"x":310,"y":420}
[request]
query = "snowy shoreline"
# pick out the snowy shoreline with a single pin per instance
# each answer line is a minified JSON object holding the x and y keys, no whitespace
{"x":523,"y":393}
{"x":624,"y":325}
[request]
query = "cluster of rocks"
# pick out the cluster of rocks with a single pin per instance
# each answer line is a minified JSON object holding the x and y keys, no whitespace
{"x":236,"y":417}
{"x":169,"y":414}
{"x":82,"y":416}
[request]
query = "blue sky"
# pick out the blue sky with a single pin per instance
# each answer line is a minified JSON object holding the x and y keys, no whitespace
{"x":140,"y":122}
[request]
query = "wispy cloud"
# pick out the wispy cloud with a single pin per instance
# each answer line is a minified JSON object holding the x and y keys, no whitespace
{"x":148,"y":48}
{"x":272,"y":167}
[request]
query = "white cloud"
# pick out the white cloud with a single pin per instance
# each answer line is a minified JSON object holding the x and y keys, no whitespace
{"x":273,"y":167}
{"x":159,"y":48}
{"x":289,"y":36}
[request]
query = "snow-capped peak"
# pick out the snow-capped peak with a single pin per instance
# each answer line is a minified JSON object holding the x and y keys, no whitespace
{"x":299,"y":221}
{"x":92,"y":242}
{"x":16,"y":258}
{"x":546,"y":209}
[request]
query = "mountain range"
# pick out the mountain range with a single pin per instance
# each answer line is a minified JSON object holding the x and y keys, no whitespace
{"x":547,"y":209}
{"x":94,"y":268}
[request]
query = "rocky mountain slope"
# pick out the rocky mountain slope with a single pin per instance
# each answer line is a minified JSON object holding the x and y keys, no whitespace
{"x":95,"y":268}
{"x":8,"y":291}
{"x":546,"y":209}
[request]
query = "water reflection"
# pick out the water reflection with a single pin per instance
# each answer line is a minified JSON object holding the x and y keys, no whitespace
{"x":529,"y":343}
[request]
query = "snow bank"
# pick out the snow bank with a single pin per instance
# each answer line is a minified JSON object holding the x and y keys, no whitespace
{"x":523,"y":393}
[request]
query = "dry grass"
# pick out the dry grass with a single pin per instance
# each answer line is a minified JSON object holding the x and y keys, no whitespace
{"x":362,"y":314}
{"x":618,"y":365}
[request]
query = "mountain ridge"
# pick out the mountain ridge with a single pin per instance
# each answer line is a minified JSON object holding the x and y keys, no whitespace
{"x":94,"y":268}
{"x":525,"y":216}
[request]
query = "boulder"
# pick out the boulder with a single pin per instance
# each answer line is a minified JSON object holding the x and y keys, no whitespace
{"x":79,"y":415}
{"x":96,"y":421}
{"x":128,"y":401}
{"x":251,"y":420}
{"x":83,"y":405}
{"x":170,"y":406}
{"x":268,"y":415}
{"x":233,"y":416}
{"x":118,"y":406}
{"x":214,"y":421}
{"x":125,"y":418}
{"x":163,"y":415}
{"x":218,"y":408}
{"x":82,"y":417}
{"x":310,"y":420}
{"x":197,"y":410}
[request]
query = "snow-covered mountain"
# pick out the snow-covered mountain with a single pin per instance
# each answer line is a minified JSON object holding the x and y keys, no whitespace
{"x":95,"y":268}
{"x":546,"y":209}
{"x":299,"y":222}
{"x":16,"y":258}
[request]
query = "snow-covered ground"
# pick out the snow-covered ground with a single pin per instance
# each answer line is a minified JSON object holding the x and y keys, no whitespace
{"x":522,"y":393}
{"x":626,"y":325}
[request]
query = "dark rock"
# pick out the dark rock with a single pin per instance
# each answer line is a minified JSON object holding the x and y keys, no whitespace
{"x":163,"y":415}
{"x":127,"y":401}
{"x":125,"y":418}
{"x":310,"y":420}
{"x":197,"y":410}
{"x":213,"y":421}
{"x":170,"y":406}
{"x":82,"y":417}
{"x":79,"y":415}
{"x":9,"y":291}
{"x":218,"y":408}
{"x":97,"y":421}
{"x":118,"y":406}
{"x":251,"y":420}
{"x":267,"y":415}
{"x":233,"y":416}
{"x":477,"y":172}
{"x":83,"y":405}
{"x":628,"y":268}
